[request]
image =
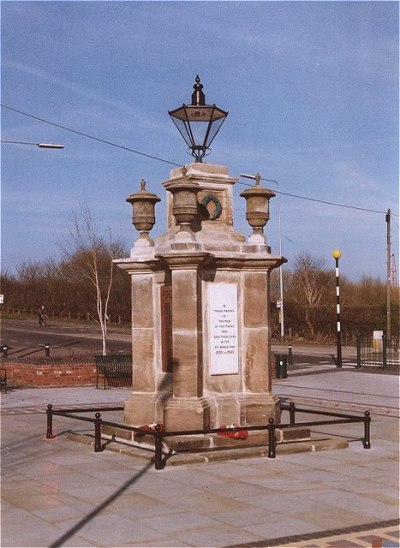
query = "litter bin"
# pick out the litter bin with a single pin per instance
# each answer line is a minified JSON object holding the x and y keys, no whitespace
{"x":281,"y":366}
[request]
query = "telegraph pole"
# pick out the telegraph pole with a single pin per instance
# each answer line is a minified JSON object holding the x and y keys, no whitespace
{"x":388,"y":278}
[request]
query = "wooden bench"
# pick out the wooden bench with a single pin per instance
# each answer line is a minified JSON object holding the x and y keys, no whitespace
{"x":3,"y":380}
{"x":116,"y":370}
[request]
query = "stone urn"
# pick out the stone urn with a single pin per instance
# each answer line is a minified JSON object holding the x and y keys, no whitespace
{"x":257,"y":210}
{"x":143,"y":218}
{"x":184,"y":206}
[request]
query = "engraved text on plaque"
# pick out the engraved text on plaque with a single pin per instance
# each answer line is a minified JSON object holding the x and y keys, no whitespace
{"x":223,"y":329}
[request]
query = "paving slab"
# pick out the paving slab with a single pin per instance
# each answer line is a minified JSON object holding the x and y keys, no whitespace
{"x":61,"y":493}
{"x":347,"y":388}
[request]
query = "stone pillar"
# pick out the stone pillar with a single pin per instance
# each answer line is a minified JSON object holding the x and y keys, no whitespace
{"x":257,"y":403}
{"x":187,"y":409}
{"x":142,"y":405}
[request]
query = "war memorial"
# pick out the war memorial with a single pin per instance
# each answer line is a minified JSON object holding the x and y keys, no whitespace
{"x":201,"y":340}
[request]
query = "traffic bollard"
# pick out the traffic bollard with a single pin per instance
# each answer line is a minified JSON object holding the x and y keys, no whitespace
{"x":281,"y":366}
{"x":290,"y":355}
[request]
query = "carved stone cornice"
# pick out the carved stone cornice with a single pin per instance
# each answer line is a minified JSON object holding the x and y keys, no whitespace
{"x":139,"y":266}
{"x":185,"y":260}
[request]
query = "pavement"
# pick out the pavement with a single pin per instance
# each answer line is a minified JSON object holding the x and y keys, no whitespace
{"x":61,"y":493}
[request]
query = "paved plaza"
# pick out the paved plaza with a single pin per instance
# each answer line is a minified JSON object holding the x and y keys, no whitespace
{"x":61,"y":493}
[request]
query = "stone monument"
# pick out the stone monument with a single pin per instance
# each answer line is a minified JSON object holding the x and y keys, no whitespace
{"x":201,"y":327}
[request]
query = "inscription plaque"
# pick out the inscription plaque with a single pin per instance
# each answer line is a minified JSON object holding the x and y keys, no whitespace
{"x":223,"y":329}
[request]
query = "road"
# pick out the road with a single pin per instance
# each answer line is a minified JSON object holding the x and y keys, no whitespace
{"x":26,"y":338}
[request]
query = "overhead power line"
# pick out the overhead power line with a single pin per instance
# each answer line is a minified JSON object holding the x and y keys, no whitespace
{"x":151,"y":156}
{"x":90,"y":136}
{"x":318,"y":200}
{"x":329,"y":203}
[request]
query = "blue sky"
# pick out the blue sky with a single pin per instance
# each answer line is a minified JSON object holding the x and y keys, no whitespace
{"x":312,"y":94}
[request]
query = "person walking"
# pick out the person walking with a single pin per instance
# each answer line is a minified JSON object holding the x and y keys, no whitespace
{"x":42,"y":315}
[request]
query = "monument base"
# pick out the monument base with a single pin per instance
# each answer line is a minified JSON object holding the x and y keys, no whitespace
{"x":186,"y":414}
{"x":142,"y":409}
{"x":215,"y":442}
{"x":259,"y":408}
{"x":196,"y":455}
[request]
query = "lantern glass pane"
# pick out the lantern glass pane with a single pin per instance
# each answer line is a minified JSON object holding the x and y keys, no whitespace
{"x":214,"y":128}
{"x":184,"y":130}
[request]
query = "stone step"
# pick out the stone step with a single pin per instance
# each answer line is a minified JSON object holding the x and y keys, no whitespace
{"x":251,"y":452}
{"x":216,"y":454}
{"x":294,"y":433}
{"x":210,"y":441}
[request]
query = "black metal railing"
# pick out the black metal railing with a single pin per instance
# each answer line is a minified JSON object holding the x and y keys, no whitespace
{"x":159,"y":435}
{"x":377,"y":352}
{"x":341,"y":418}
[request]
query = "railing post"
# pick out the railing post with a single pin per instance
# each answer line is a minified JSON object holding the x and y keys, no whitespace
{"x":358,"y":351}
{"x":292,"y":413}
{"x":49,"y":429}
{"x":158,"y":448}
{"x":271,"y":439}
{"x":367,"y":430}
{"x":97,"y":433}
{"x":384,"y":352}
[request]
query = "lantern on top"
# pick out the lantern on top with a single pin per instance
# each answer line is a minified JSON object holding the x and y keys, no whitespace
{"x":198,"y":123}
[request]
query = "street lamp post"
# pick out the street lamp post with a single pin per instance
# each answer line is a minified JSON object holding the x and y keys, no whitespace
{"x":336,"y":254}
{"x":40,"y":145}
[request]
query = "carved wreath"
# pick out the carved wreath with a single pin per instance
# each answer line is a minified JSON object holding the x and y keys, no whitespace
{"x":218,"y":207}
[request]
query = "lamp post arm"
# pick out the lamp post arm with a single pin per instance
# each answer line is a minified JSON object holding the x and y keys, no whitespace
{"x":39,"y":145}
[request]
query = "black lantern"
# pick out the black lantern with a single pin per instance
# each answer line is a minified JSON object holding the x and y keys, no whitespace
{"x":198,"y":123}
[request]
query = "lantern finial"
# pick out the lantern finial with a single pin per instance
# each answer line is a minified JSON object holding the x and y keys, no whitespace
{"x":198,"y":97}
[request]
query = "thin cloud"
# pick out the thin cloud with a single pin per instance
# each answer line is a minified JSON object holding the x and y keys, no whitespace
{"x":72,"y":86}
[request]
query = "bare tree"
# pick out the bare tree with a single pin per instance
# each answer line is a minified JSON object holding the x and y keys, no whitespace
{"x":90,"y":257}
{"x":308,"y":285}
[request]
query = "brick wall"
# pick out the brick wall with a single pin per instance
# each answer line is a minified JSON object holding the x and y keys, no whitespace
{"x":50,"y":374}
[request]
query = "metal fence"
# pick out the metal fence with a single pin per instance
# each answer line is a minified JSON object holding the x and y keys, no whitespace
{"x":377,"y":352}
{"x":160,"y":456}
